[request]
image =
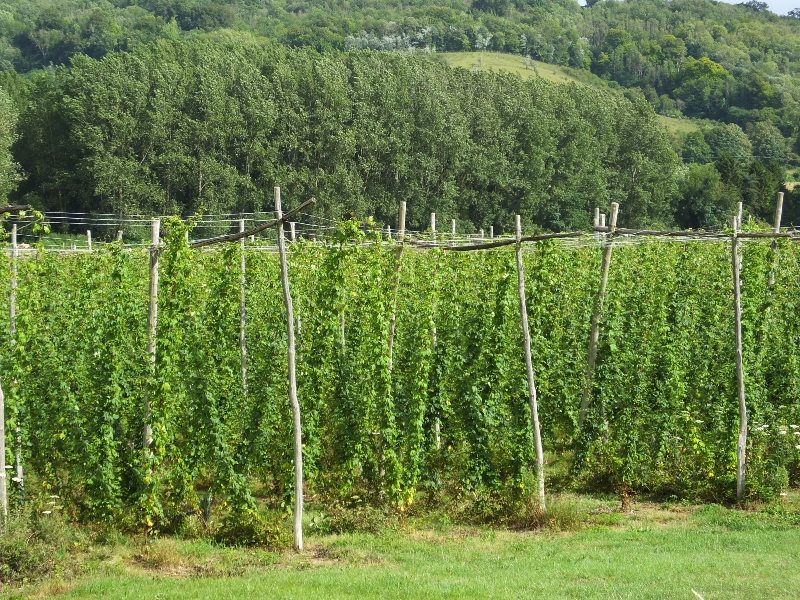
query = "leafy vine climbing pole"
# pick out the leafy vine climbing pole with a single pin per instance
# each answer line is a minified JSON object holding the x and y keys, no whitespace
{"x":662,"y":414}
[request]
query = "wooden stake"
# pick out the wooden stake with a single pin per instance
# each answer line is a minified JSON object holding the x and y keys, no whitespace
{"x":292,"y":232}
{"x":481,"y":233}
{"x":594,"y":335}
{"x":89,"y":238}
{"x":491,"y":232}
{"x":12,"y":312}
{"x":119,"y":235}
{"x":242,"y":313}
{"x":152,"y":319}
{"x":532,"y":399}
{"x":298,"y":441}
{"x":438,"y":425}
{"x":3,"y":488}
{"x":741,"y":443}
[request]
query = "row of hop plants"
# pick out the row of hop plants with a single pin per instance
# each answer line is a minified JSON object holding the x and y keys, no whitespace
{"x":437,"y":408}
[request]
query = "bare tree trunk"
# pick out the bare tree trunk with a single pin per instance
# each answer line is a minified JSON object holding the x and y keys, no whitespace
{"x":12,"y":315}
{"x":298,"y":441}
{"x":3,"y":488}
{"x":242,"y":313}
{"x":152,"y":320}
{"x":532,"y":398}
{"x":741,"y":443}
{"x":594,"y":335}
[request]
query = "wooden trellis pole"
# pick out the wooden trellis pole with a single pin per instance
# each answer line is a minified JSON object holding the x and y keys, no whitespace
{"x":594,"y":335}
{"x":152,"y":319}
{"x":13,"y":334}
{"x":298,"y":441}
{"x":89,"y":239}
{"x":741,"y":443}
{"x":242,"y":312}
{"x":3,"y":488}
{"x":438,"y":425}
{"x":532,"y":399}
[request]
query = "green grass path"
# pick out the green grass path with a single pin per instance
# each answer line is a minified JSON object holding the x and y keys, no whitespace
{"x":658,"y":562}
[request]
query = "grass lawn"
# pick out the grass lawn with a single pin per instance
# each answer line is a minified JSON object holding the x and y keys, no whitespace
{"x":512,"y":63}
{"x":656,"y":552}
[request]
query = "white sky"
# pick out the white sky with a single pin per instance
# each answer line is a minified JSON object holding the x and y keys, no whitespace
{"x":779,"y":7}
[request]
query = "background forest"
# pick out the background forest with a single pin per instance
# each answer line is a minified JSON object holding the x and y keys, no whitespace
{"x":173,"y":105}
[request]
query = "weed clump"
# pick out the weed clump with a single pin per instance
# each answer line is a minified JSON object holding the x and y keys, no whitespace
{"x":253,"y":530}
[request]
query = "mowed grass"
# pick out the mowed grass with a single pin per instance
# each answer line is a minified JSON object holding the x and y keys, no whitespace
{"x":673,"y":125}
{"x":654,"y":553}
{"x":512,"y":63}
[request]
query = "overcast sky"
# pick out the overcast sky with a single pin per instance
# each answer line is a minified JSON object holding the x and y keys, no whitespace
{"x":780,"y":7}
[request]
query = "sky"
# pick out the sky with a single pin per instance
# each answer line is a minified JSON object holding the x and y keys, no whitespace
{"x":779,"y":7}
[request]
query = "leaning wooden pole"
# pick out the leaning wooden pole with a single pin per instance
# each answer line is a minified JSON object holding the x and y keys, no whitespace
{"x":532,"y":399}
{"x":741,"y":443}
{"x":594,"y":335}
{"x":152,"y":320}
{"x":298,"y":441}
{"x":242,"y":312}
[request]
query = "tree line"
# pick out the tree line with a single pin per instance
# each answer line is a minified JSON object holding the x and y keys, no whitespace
{"x":735,"y":64}
{"x":184,"y":126}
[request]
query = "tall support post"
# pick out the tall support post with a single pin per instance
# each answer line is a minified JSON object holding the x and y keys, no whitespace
{"x":12,"y":328}
{"x":741,"y":443}
{"x":594,"y":335}
{"x":491,"y":232}
{"x":298,"y":440}
{"x":242,"y":312}
{"x":532,"y":399}
{"x":152,"y":320}
{"x":396,"y":285}
{"x":89,"y":239}
{"x":3,"y":488}
{"x":438,"y":424}
{"x":292,"y":234}
{"x":453,"y":227}
{"x":119,"y":235}
{"x":481,"y":234}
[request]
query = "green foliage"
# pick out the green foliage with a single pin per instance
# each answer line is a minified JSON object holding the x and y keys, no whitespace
{"x":729,"y":139}
{"x":178,"y":127}
{"x":443,"y":413}
{"x":8,"y":134}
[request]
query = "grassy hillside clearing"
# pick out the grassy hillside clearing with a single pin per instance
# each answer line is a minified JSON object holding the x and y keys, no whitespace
{"x":512,"y":63}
